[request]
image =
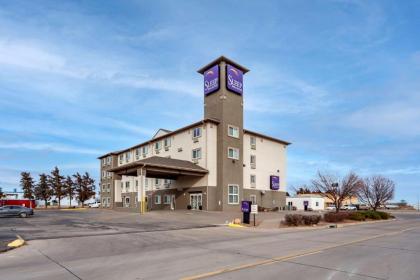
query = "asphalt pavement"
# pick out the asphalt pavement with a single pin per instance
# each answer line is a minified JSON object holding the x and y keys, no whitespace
{"x":385,"y":250}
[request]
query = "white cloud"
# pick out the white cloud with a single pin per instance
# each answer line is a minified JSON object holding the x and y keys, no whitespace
{"x":395,"y":119}
{"x":50,"y":147}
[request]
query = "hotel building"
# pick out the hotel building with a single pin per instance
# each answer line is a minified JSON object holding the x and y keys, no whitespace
{"x":212,"y":164}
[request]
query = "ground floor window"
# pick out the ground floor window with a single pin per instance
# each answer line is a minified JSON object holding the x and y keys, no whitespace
{"x":233,"y":194}
{"x":167,"y":199}
{"x":253,"y":198}
{"x":157,"y":199}
{"x":127,"y":202}
{"x":108,"y":202}
{"x":104,"y":202}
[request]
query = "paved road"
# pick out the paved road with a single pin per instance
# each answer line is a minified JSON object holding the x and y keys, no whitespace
{"x":389,"y":250}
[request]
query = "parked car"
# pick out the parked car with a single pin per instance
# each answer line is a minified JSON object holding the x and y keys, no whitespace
{"x":15,"y":211}
{"x":330,"y":208}
{"x":95,"y":205}
{"x":349,"y":207}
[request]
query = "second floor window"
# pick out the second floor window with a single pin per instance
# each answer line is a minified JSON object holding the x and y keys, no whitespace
{"x":167,"y":142}
{"x":145,"y":150}
{"x":158,"y":145}
{"x":233,"y":153}
{"x":127,"y":156}
{"x":196,"y":153}
{"x":121,"y":158}
{"x":253,"y":161}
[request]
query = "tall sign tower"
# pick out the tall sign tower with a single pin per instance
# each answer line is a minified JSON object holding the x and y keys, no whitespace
{"x":223,"y":101}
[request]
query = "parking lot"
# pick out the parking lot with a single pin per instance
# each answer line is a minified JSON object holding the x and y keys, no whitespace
{"x":100,"y":244}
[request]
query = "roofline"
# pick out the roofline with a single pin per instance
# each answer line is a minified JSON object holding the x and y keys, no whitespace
{"x":267,"y":137}
{"x":139,"y":163}
{"x":220,"y":59}
{"x":208,"y":120}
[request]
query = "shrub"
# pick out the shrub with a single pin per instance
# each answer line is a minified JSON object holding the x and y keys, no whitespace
{"x":357,"y":216}
{"x":336,"y":217}
{"x":384,"y":215}
{"x":370,"y":214}
{"x":189,"y":207}
{"x":293,"y":219}
{"x":311,"y":219}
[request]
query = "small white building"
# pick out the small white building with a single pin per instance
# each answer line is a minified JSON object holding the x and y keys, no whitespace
{"x":306,"y":202}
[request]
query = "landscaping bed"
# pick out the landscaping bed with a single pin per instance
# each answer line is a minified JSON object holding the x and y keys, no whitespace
{"x":294,"y":220}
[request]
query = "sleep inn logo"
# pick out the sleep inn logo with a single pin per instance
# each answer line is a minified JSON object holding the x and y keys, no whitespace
{"x":234,"y":79}
{"x":211,"y":80}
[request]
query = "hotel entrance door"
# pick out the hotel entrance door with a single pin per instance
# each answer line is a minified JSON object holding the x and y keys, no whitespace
{"x":196,"y":200}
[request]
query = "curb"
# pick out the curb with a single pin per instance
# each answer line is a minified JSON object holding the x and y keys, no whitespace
{"x":73,"y":209}
{"x":235,"y":225}
{"x":16,"y":243}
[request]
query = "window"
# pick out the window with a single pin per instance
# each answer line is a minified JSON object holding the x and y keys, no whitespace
{"x":109,"y":188}
{"x":145,"y":150}
{"x":253,"y":198}
{"x":157,"y":181}
{"x":109,"y":160}
{"x":127,"y":202}
{"x":233,"y":194}
{"x":137,"y":153}
{"x":104,"y":202}
{"x":122,"y":185}
{"x":253,"y":161}
{"x":157,"y":199}
{"x":108,"y":200}
{"x":103,"y":174}
{"x":137,"y":185}
{"x":167,"y":182}
{"x":197,"y":132}
{"x":316,"y":203}
{"x":146,"y":183}
{"x":158,"y":145}
{"x":167,"y":142}
{"x":121,"y":159}
{"x":253,"y":142}
{"x":196,"y":154}
{"x":233,"y":153}
{"x":108,"y":174}
{"x":127,"y":186}
{"x":233,"y":131}
{"x":104,"y":161}
{"x":166,"y":199}
{"x":103,"y":188}
{"x":253,"y":180}
{"x":127,"y":157}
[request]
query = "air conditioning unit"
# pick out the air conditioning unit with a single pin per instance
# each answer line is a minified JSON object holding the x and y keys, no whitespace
{"x":166,"y":148}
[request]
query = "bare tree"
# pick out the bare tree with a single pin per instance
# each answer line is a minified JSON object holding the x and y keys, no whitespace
{"x":376,"y":191}
{"x":336,"y":190}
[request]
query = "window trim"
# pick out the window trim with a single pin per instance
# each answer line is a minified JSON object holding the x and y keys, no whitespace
{"x":159,"y":199}
{"x":234,"y":149}
{"x":125,"y":201}
{"x":193,"y":132}
{"x":192,"y":154}
{"x":234,"y":128}
{"x":233,"y":194}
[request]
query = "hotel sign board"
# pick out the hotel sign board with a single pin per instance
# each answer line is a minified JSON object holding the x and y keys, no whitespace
{"x":246,"y":206}
{"x":234,"y":79}
{"x":211,"y":80}
{"x":274,"y":182}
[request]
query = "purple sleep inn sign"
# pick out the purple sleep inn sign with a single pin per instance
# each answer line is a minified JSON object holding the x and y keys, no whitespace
{"x":234,"y":79}
{"x":246,"y":206}
{"x":274,"y":182}
{"x":211,"y":80}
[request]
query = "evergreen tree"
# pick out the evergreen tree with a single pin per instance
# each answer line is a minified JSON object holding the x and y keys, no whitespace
{"x":55,"y":180}
{"x":84,"y":186}
{"x":68,"y":186}
{"x":43,"y":190}
{"x":27,"y":184}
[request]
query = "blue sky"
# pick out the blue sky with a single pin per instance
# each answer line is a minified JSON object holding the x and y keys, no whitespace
{"x":339,"y":79}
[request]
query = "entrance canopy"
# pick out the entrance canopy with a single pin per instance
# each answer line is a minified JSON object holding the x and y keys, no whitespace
{"x":161,"y":167}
